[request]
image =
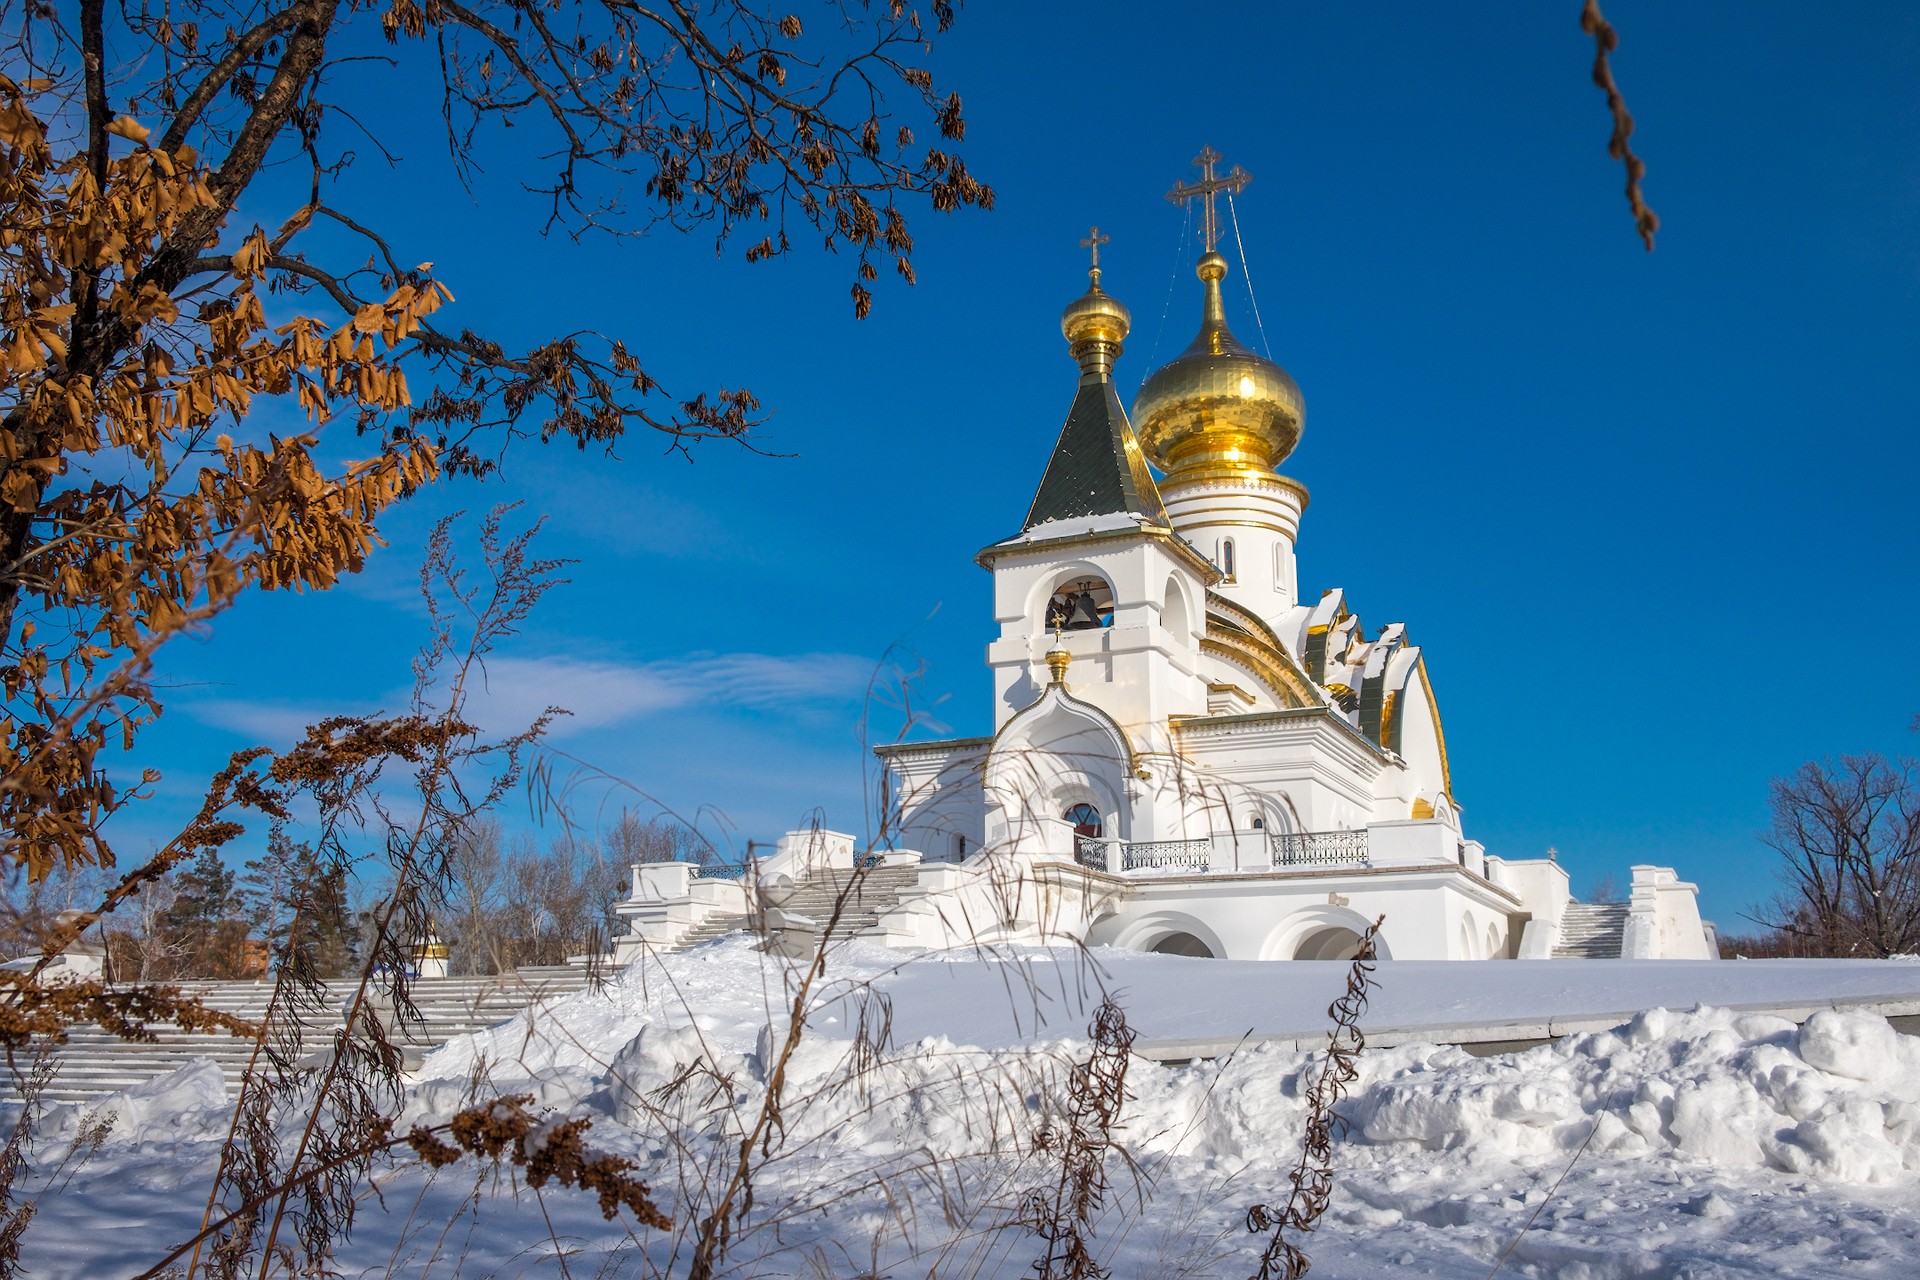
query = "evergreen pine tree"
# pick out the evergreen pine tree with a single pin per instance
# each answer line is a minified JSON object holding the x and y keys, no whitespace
{"x":326,"y":921}
{"x":205,"y":927}
{"x":294,"y":897}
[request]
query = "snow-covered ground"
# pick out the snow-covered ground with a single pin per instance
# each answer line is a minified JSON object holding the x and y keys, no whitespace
{"x":1690,"y":1141}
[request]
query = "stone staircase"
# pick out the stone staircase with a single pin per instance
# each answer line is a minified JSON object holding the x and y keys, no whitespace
{"x":1592,"y":931}
{"x":878,"y":889}
{"x":94,"y":1063}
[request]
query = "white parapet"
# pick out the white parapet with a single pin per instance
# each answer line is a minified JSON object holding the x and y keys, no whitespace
{"x":1663,"y":918}
{"x":1412,"y":842}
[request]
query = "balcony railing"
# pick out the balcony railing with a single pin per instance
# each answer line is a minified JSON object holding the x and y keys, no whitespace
{"x":1320,"y":849}
{"x":719,"y":871}
{"x":1239,"y":850}
{"x":1135,"y":855}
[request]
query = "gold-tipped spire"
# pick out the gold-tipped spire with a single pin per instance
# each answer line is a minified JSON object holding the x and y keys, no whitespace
{"x":1057,"y":660}
{"x":1095,"y":324}
{"x":1216,"y":410}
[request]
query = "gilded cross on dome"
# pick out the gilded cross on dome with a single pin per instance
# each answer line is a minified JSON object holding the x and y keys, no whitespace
{"x":1093,"y":241}
{"x":1205,"y":189}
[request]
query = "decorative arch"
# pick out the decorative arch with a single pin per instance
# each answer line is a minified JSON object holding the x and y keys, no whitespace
{"x":1057,"y":753}
{"x":1312,"y":928}
{"x":1496,"y":948}
{"x":1156,"y":929}
{"x":1469,"y":950}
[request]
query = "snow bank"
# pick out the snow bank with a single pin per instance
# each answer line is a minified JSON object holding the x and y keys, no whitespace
{"x":1836,"y":1099}
{"x":182,"y":1105}
{"x":1703,"y":1143}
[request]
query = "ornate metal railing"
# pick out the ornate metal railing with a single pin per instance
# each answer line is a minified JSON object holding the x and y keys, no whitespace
{"x":719,"y":871}
{"x":1090,"y":852}
{"x":1320,"y":849}
{"x":1135,"y":855}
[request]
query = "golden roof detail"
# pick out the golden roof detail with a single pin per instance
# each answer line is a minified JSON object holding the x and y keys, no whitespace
{"x":1217,"y":407}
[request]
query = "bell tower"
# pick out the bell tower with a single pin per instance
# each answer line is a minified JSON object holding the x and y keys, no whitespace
{"x":1098,"y":563}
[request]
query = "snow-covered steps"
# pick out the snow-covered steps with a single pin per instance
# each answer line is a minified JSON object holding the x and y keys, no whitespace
{"x":1592,"y":931}
{"x":94,"y":1062}
{"x":870,"y":893}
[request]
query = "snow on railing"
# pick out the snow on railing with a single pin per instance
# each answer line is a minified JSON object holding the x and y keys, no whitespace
{"x":1320,"y":848}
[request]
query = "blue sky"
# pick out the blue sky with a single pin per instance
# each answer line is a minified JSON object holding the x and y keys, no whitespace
{"x":1648,"y":515}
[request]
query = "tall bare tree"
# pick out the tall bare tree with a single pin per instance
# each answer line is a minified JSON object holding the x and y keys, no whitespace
{"x":1848,"y":835}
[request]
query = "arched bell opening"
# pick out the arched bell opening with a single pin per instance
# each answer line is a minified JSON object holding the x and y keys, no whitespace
{"x":1084,"y":603}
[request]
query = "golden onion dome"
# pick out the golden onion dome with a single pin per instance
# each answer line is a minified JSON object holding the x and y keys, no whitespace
{"x":1094,"y":325}
{"x":1217,"y":406}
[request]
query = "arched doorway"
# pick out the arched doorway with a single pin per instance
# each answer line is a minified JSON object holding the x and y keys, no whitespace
{"x":1331,"y":942}
{"x":1182,"y":944}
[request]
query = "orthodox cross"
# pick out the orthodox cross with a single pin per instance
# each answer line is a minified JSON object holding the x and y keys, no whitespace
{"x":1093,"y":241}
{"x":1205,"y":189}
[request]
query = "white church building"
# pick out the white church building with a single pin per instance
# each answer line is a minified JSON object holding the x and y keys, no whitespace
{"x":1187,"y":755}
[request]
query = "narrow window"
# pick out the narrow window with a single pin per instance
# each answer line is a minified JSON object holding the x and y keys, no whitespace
{"x":1085,"y":819}
{"x":959,"y":848}
{"x":1226,"y":557}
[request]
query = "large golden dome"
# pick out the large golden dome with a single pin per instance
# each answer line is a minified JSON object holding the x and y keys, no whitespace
{"x":1218,"y":407}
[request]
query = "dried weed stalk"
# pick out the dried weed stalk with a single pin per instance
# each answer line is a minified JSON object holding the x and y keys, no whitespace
{"x":15,"y":1216}
{"x":549,"y":1149}
{"x":1312,"y":1177}
{"x":1063,"y":1214}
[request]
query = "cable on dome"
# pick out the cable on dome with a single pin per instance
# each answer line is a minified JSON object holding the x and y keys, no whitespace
{"x":1248,"y":276}
{"x":1173,"y":278}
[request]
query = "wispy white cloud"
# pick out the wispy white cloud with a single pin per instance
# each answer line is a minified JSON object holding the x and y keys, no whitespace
{"x":598,"y":693}
{"x":601,"y":693}
{"x":267,"y":724}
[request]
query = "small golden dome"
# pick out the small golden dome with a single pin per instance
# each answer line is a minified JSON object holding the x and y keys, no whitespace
{"x":1218,"y":404}
{"x":1094,"y":325}
{"x":1058,"y":659}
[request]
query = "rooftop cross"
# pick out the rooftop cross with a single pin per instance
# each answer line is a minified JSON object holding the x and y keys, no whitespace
{"x":1205,"y":189}
{"x":1093,"y":241}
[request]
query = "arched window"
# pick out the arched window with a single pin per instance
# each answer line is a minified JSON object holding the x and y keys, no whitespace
{"x":1084,"y":604}
{"x":959,"y":847}
{"x":1085,"y":819}
{"x":1226,"y":557}
{"x":1257,"y":823}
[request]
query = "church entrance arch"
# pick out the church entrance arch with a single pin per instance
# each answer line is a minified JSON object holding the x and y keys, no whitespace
{"x":1167,"y":933}
{"x":1182,"y":944}
{"x":1321,"y":932}
{"x":1334,"y":942}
